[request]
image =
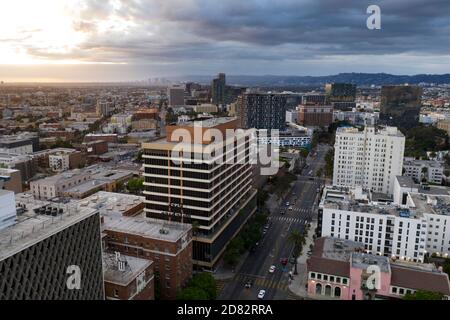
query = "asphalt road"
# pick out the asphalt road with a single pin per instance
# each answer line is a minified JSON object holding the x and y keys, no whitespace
{"x":275,"y":245}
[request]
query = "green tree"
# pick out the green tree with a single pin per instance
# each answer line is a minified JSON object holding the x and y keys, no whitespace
{"x":135,"y":185}
{"x":206,"y":282}
{"x":298,"y":240}
{"x":191,"y":293}
{"x":423,"y":295}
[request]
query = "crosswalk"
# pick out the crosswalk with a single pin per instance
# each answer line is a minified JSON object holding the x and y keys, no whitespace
{"x":266,"y":283}
{"x":292,"y":296}
{"x":302,"y":210}
{"x":220,"y":284}
{"x":288,"y":219}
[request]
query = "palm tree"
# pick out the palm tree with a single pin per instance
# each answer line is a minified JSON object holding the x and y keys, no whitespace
{"x":298,"y":240}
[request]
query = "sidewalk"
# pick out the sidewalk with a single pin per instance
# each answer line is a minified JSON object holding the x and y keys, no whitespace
{"x":224,"y":272}
{"x":297,"y":286}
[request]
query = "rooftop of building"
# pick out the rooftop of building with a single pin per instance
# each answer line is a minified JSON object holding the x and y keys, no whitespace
{"x":146,"y":227}
{"x":359,"y":200}
{"x":378,"y":130}
{"x":111,"y":202}
{"x":361,"y":260}
{"x":132,"y":268}
{"x":32,"y":227}
{"x":420,"y":163}
{"x":85,"y":187}
{"x":207,"y":123}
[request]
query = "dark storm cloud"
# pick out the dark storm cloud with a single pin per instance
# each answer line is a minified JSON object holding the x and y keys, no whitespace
{"x":259,"y":30}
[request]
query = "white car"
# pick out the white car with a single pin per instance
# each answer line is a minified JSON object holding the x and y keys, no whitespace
{"x":272,"y":269}
{"x":261,"y":294}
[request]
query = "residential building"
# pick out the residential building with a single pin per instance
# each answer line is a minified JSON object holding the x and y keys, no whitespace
{"x":341,"y":96}
{"x":64,"y":159}
{"x":262,"y":111}
{"x":175,"y":95}
{"x":424,"y":170}
{"x":370,"y":158}
{"x":167,"y":244}
{"x":214,"y":195}
{"x":52,"y":252}
{"x":407,"y":230}
{"x":218,"y":87}
{"x":400,"y":105}
{"x":315,"y":115}
{"x":357,"y":118}
{"x":341,"y":270}
{"x":10,"y":179}
{"x":20,"y":144}
{"x":128,"y":278}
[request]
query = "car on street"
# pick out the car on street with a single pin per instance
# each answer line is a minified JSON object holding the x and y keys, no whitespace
{"x":272,"y":269}
{"x":284,"y":261}
{"x":261,"y":294}
{"x":248,"y":284}
{"x":290,"y":208}
{"x":287,"y":204}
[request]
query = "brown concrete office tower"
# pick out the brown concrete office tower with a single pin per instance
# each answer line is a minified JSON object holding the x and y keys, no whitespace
{"x":315,"y":115}
{"x":400,"y":105}
{"x":216,"y":197}
{"x":46,"y":252}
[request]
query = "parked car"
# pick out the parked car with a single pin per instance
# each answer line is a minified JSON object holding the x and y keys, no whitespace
{"x":272,"y":269}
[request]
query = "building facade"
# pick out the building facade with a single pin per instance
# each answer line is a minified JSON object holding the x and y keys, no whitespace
{"x":424,"y":170}
{"x":400,"y":105}
{"x":315,"y":115}
{"x":208,"y":184}
{"x":262,"y":111}
{"x":371,"y":158}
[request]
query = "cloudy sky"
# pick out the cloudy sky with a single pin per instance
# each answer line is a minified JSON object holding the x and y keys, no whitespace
{"x":121,"y":40}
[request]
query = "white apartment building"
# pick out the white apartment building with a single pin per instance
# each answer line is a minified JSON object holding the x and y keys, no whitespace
{"x":370,"y":158}
{"x":59,"y":162}
{"x":429,"y":170}
{"x":406,"y":232}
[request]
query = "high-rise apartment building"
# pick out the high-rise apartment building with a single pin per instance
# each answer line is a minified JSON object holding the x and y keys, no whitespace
{"x":370,"y":158}
{"x":400,"y":105}
{"x":341,"y":96}
{"x":204,"y":181}
{"x":175,"y":95}
{"x":218,"y":88}
{"x":262,"y":111}
{"x":52,"y":252}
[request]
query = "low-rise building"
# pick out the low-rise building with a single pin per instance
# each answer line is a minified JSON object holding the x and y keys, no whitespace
{"x":128,"y":278}
{"x":10,"y":179}
{"x":341,"y":269}
{"x":168,"y":244}
{"x":424,"y":170}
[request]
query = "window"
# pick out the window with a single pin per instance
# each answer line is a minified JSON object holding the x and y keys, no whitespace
{"x":313,"y":275}
{"x":116,"y":293}
{"x":337,"y":292}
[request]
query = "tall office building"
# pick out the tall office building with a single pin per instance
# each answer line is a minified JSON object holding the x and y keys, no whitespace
{"x":218,"y":88}
{"x":52,"y":253}
{"x":315,"y":115}
{"x":175,"y":95}
{"x":370,"y":158}
{"x":187,"y":182}
{"x":341,"y":96}
{"x":262,"y":111}
{"x":400,"y":105}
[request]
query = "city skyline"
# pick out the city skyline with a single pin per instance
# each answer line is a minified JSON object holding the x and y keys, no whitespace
{"x":95,"y":41}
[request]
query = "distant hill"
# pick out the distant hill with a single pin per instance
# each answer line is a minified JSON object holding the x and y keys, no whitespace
{"x":360,"y":79}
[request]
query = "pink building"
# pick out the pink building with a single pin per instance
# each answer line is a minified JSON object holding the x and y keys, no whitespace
{"x":340,"y":269}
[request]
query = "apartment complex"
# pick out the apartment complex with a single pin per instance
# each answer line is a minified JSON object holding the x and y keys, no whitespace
{"x":167,"y":244}
{"x":370,"y":158}
{"x":52,"y":252}
{"x":127,"y":277}
{"x":202,"y":181}
{"x":315,"y":115}
{"x":407,"y":230}
{"x":340,"y":269}
{"x":424,"y":170}
{"x":262,"y":111}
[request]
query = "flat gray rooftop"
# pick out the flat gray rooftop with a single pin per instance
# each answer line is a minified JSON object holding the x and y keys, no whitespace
{"x":146,"y":227}
{"x":32,"y":228}
{"x":134,"y":266}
